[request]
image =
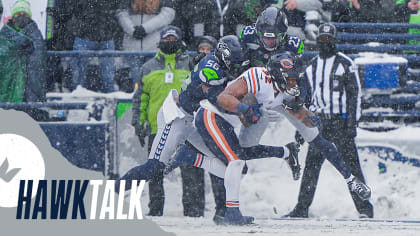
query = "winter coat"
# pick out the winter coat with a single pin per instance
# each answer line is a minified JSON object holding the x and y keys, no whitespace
{"x":296,"y":17}
{"x":201,"y":17}
{"x":94,"y":20}
{"x":153,"y":89}
{"x":14,"y":49}
{"x":402,"y":13}
{"x":22,"y":64}
{"x":406,"y":15}
{"x":370,"y":11}
{"x":152,"y":23}
{"x":62,"y":37}
{"x":36,"y":65}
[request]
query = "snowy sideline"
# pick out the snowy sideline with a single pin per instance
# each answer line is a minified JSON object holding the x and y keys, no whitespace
{"x":268,"y":192}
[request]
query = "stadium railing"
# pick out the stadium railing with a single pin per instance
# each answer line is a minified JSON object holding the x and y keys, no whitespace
{"x":89,"y":144}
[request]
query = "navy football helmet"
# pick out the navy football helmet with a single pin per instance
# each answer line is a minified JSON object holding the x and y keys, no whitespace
{"x":281,"y":67}
{"x":233,"y":53}
{"x":271,"y":27}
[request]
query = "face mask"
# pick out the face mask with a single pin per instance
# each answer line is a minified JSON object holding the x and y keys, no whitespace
{"x":21,"y":21}
{"x":168,"y":47}
{"x":236,"y":69}
{"x":326,"y":49}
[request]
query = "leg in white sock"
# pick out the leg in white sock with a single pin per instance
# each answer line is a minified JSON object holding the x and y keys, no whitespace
{"x":233,"y":182}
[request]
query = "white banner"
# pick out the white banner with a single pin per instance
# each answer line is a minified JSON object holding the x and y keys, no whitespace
{"x":38,"y":9}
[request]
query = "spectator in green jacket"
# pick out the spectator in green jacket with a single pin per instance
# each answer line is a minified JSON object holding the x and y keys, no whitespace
{"x":22,"y":60}
{"x":166,"y":71}
{"x":407,"y":11}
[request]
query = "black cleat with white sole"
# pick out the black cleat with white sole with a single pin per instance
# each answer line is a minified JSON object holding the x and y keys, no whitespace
{"x":293,"y":159}
{"x":362,"y":190}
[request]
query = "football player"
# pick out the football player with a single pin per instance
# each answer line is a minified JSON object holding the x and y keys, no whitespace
{"x":175,"y":117}
{"x":275,"y":88}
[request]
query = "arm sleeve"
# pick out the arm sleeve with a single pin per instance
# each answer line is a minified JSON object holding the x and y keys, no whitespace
{"x":308,"y":5}
{"x":305,"y":90}
{"x":125,"y":22}
{"x":165,"y":17}
{"x":144,"y":106}
{"x":137,"y":103}
{"x":401,"y":11}
{"x":144,"y":96}
{"x":352,"y":88}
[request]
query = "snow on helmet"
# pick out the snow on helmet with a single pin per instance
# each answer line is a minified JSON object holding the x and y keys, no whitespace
{"x":271,"y":27}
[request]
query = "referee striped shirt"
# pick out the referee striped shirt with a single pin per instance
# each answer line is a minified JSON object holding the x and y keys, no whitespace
{"x":334,"y":87}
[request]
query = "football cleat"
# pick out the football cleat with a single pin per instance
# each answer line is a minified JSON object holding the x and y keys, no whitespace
{"x":293,"y":159}
{"x":219,"y":220}
{"x":361,"y":189}
{"x":183,"y":157}
{"x":297,"y":212}
{"x":233,"y":216}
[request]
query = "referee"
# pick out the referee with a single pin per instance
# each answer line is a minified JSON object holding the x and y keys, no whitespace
{"x":333,"y":93}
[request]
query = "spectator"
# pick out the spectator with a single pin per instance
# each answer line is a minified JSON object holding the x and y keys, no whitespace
{"x":204,"y":45}
{"x":166,"y":71}
{"x":208,"y":17}
{"x":408,"y":11}
{"x":340,"y":10}
{"x":366,"y":10}
{"x":295,"y":11}
{"x":356,"y":11}
{"x":338,"y":106}
{"x":59,"y":38}
{"x":22,"y":60}
{"x":94,"y":26}
{"x":142,"y":21}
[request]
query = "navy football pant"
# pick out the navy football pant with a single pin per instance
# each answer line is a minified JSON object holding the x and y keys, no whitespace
{"x":222,"y":141}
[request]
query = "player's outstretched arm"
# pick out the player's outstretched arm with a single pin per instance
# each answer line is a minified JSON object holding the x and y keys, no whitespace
{"x":229,"y":98}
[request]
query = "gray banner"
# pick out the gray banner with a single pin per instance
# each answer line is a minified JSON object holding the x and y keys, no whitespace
{"x":56,"y":168}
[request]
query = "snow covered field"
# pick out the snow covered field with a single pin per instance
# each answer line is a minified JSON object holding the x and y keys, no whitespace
{"x":268,"y":192}
{"x":304,"y":227}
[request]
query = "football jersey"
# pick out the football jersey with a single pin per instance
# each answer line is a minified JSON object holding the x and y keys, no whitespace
{"x":259,"y":84}
{"x":259,"y":55}
{"x":208,"y":70}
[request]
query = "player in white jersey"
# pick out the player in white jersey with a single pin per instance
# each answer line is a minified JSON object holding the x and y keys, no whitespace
{"x":275,"y":89}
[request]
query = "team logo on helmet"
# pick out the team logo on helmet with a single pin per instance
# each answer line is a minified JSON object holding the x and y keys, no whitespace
{"x":224,"y":49}
{"x":286,"y":63}
{"x":327,"y":29}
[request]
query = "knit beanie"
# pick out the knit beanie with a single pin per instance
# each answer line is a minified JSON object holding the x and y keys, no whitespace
{"x":21,"y":6}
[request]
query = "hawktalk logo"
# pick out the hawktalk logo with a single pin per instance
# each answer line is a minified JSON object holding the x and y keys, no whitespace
{"x":6,"y":174}
{"x":19,"y":159}
{"x":22,"y":185}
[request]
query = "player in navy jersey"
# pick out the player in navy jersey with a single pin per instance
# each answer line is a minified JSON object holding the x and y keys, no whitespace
{"x":176,"y":114}
{"x":175,"y":117}
{"x":268,"y":36}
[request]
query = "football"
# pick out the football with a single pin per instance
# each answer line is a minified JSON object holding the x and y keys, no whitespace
{"x":249,"y":99}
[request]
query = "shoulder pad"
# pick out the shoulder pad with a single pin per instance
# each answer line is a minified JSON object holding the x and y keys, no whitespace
{"x":248,"y":34}
{"x":209,"y":71}
{"x":294,"y":44}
